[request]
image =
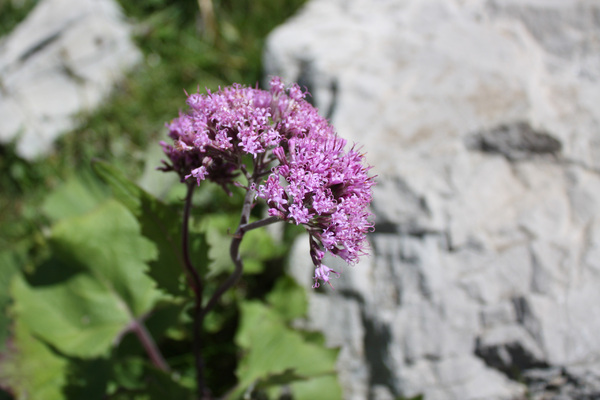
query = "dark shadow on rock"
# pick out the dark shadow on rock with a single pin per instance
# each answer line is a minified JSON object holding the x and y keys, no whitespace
{"x":515,"y":141}
{"x":512,"y":359}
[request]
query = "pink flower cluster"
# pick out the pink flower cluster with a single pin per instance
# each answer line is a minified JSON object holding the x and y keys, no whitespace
{"x":310,"y":177}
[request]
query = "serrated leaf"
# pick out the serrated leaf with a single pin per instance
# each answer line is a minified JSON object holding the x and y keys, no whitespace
{"x":85,"y":312}
{"x":273,"y":348}
{"x":217,"y":229}
{"x":160,"y":223}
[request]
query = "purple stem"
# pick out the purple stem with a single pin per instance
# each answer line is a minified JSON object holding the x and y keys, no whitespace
{"x":197,"y":287}
{"x":192,"y":273}
{"x":243,"y":227}
{"x":147,"y":341}
{"x":196,"y":283}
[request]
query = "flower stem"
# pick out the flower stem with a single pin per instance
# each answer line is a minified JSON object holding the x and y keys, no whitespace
{"x":192,"y":273}
{"x":234,"y":253}
{"x":259,"y":224}
{"x":197,"y":287}
{"x":243,"y":227}
{"x":196,"y":283}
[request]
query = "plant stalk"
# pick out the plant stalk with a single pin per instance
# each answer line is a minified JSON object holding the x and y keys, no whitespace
{"x":234,"y":253}
{"x":197,"y":287}
{"x":191,"y":272}
{"x":149,"y":345}
{"x":196,"y":283}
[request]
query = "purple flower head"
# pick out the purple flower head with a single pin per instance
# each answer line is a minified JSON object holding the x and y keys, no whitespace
{"x":301,"y":168}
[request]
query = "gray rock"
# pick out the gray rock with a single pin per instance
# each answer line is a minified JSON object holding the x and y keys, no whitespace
{"x":63,"y":59}
{"x":560,"y":384}
{"x":481,"y":119}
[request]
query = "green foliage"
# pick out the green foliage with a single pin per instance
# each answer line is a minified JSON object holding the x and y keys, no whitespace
{"x":101,"y":256}
{"x":76,"y":196}
{"x":83,"y":298}
{"x":31,"y":369}
{"x":275,"y":353}
{"x":12,"y":12}
{"x":75,"y":310}
{"x":85,"y":253}
{"x":159,"y":222}
{"x":257,"y":246}
{"x":288,"y":299}
{"x":178,"y":56}
{"x":9,"y":267}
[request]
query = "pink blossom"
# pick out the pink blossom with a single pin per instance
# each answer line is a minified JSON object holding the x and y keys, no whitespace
{"x":322,"y":272}
{"x":307,"y":176}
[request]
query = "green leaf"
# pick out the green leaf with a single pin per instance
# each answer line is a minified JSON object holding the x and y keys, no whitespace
{"x":288,"y":299}
{"x":217,"y":229}
{"x":76,"y":196}
{"x":31,"y":369}
{"x":160,"y":223}
{"x":108,"y":244}
{"x":283,"y":378}
{"x":78,"y":317}
{"x":272,"y":349}
{"x":103,"y":286}
{"x":322,"y":387}
{"x":256,"y":247}
{"x":123,"y":189}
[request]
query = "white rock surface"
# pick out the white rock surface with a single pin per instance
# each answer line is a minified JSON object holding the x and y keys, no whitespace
{"x":482,"y":121}
{"x":63,"y":59}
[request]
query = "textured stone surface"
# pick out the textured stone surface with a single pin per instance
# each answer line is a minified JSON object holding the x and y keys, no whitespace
{"x":482,"y":121}
{"x":61,"y":60}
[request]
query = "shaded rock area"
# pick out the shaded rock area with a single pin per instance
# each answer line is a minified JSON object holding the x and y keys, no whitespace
{"x":481,"y":119}
{"x":517,"y":141}
{"x":63,"y":59}
{"x":558,"y":384}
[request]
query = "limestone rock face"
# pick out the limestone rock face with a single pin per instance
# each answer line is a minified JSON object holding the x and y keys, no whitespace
{"x":482,"y":121}
{"x":61,"y":60}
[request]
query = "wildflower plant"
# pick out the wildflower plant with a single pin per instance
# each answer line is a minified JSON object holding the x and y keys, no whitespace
{"x":276,"y":147}
{"x":311,"y":179}
{"x":125,"y":288}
